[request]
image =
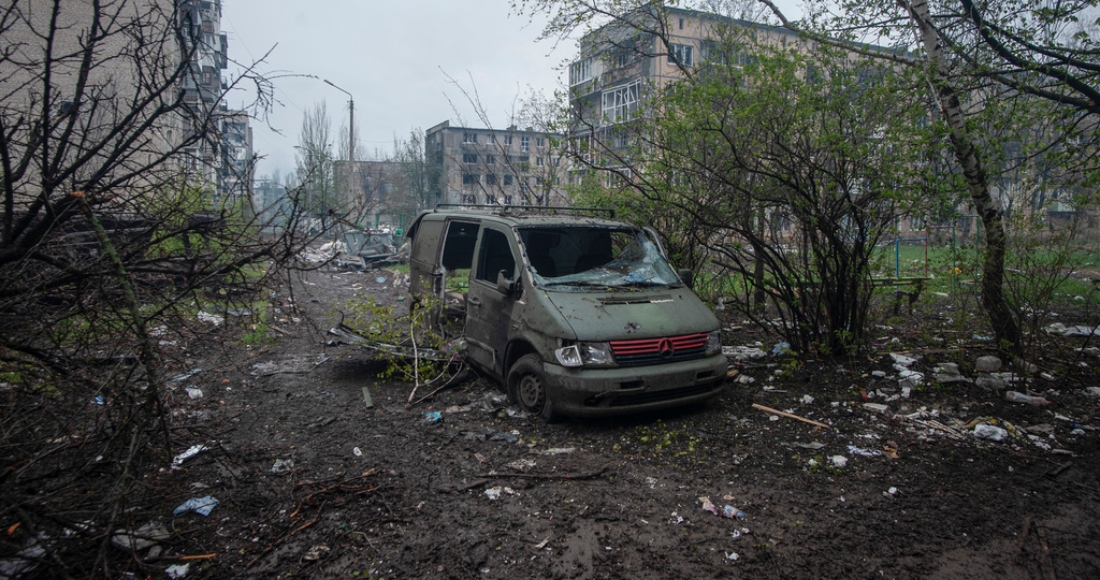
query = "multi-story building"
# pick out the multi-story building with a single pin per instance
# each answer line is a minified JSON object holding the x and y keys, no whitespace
{"x":624,"y":63}
{"x":373,"y":192}
{"x":235,"y":169}
{"x":491,"y":166}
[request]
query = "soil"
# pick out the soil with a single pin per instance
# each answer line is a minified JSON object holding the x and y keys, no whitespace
{"x":384,"y":491}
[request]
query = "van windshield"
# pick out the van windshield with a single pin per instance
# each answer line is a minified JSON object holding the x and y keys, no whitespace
{"x":582,"y":257}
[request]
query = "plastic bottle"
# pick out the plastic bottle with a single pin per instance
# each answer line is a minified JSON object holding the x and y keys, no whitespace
{"x":1018,"y":397}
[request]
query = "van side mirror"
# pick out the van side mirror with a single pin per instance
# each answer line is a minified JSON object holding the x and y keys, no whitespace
{"x":504,"y":285}
{"x":687,"y":277}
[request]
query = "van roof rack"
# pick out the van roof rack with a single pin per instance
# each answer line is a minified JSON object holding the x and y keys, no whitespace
{"x":530,"y":209}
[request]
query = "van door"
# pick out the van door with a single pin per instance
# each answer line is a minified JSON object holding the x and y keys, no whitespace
{"x":488,"y":310}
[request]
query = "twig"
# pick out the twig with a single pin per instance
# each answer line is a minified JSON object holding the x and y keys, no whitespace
{"x":789,"y":415}
{"x":454,"y":380}
{"x":583,"y":476}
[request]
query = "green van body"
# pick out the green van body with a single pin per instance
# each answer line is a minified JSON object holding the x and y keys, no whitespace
{"x":574,"y":313}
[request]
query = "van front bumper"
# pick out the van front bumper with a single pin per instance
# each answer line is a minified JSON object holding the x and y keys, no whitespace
{"x":585,"y":392}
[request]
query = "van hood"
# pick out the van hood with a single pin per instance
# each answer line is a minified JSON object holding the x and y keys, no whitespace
{"x":598,"y":317}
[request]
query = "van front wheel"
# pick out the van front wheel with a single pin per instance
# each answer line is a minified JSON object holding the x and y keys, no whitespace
{"x":527,"y":386}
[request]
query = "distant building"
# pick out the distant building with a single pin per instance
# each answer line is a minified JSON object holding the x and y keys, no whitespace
{"x":235,"y":170}
{"x":495,"y":166}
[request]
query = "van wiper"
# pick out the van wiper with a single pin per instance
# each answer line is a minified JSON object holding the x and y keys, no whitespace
{"x":642,"y":284}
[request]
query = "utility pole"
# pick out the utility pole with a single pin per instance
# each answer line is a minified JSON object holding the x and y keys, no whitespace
{"x":351,"y":182}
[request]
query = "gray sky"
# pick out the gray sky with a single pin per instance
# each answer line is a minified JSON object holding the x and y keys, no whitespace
{"x":394,"y":57}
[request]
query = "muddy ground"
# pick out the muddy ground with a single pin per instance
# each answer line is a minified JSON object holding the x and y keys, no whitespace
{"x":485,"y":492}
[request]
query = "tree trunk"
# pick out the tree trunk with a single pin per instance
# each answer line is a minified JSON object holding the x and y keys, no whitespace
{"x":1004,"y":324}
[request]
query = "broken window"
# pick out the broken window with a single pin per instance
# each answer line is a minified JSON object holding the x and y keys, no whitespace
{"x":580,"y":71}
{"x":684,"y":54}
{"x":469,"y":157}
{"x":621,"y":102}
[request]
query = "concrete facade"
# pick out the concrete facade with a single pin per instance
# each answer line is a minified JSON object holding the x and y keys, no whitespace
{"x":492,"y":166}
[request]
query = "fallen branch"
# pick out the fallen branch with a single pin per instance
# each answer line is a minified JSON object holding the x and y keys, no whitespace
{"x":581,"y":477}
{"x":790,"y":416}
{"x":454,"y":380}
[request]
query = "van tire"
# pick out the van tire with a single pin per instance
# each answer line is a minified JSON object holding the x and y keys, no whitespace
{"x":527,"y":387}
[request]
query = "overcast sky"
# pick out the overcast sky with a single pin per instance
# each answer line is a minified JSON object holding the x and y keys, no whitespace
{"x":394,"y":57}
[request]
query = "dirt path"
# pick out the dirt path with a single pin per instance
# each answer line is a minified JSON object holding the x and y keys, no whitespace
{"x":485,"y":492}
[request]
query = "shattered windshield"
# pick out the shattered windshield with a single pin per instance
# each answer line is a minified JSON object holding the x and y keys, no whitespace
{"x":602,"y":257}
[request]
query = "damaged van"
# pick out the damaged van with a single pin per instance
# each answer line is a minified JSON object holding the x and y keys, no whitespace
{"x":575,"y":313}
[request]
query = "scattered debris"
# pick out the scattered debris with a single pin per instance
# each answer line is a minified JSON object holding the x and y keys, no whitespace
{"x":1018,"y":397}
{"x":282,"y":466}
{"x":876,"y":407}
{"x":781,"y":349}
{"x":987,"y":364}
{"x":200,"y":505}
{"x":1079,"y":330}
{"x":990,"y":432}
{"x":194,"y":392}
{"x":742,"y":353}
{"x":194,"y":450}
{"x":493,"y":493}
{"x":839,"y":460}
{"x":814,"y":446}
{"x":559,"y":450}
{"x":433,"y":416}
{"x":863,"y":452}
{"x":790,"y":415}
{"x":144,"y":537}
{"x":214,"y":319}
{"x":316,"y":553}
{"x":727,"y":511}
{"x":177,"y":571}
{"x":947,"y":373}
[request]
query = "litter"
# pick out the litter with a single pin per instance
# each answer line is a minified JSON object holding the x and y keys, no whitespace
{"x":814,"y":446}
{"x":876,"y":407}
{"x":1018,"y":397}
{"x":357,"y":452}
{"x":863,"y":452}
{"x":806,"y":399}
{"x":316,"y":553}
{"x":282,"y":466}
{"x":521,"y":464}
{"x":433,"y":416}
{"x":176,"y":571}
{"x":726,"y":511}
{"x":990,"y":432}
{"x":214,"y":319}
{"x":191,"y":452}
{"x":200,"y":505}
{"x":559,"y":450}
{"x":194,"y":392}
{"x":146,"y":536}
{"x":185,"y":376}
{"x":902,"y":360}
{"x":493,"y":493}
{"x":781,"y":348}
{"x":741,"y":353}
{"x":1059,"y":328}
{"x":839,"y":460}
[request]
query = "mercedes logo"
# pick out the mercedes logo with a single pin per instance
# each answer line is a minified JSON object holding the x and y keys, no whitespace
{"x":665,"y":348}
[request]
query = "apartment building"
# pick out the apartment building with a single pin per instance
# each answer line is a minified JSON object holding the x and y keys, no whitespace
{"x":623,"y":63}
{"x":492,"y":166}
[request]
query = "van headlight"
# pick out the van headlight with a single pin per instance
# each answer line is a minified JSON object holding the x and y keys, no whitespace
{"x":714,"y":342}
{"x":584,"y":354}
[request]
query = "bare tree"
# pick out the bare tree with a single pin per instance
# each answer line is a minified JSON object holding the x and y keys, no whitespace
{"x":111,"y":241}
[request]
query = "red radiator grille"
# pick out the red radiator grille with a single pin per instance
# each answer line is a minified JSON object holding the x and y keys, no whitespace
{"x":667,"y":346}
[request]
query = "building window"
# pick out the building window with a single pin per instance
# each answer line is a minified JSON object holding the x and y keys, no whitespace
{"x":538,"y":161}
{"x":469,"y":199}
{"x":508,"y":179}
{"x":490,"y":199}
{"x":492,"y":138}
{"x":681,"y":53}
{"x":525,"y":143}
{"x":490,"y":179}
{"x":508,"y":200}
{"x":540,"y":141}
{"x":580,"y":71}
{"x":507,"y":139}
{"x":619,"y":103}
{"x":524,"y":163}
{"x":469,"y":157}
{"x":681,"y":24}
{"x":470,"y":178}
{"x":469,"y":137}
{"x":489,"y":160}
